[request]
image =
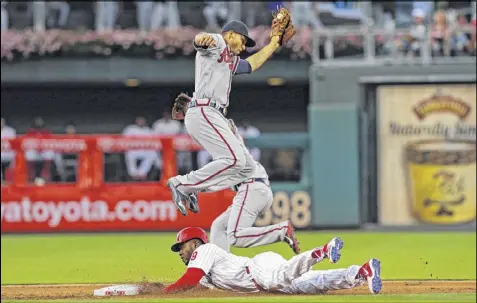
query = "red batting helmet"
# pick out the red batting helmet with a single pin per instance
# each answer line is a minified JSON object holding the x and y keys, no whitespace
{"x":187,"y":234}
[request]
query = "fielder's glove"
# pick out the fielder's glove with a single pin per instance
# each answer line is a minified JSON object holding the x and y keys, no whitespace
{"x":181,"y":104}
{"x":282,"y":26}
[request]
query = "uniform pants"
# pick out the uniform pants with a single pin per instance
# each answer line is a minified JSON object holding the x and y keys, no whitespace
{"x":231,"y":164}
{"x":274,"y":273}
{"x":235,"y":225}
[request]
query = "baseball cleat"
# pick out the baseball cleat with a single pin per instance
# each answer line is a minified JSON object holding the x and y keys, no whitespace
{"x":178,"y":197}
{"x":333,"y":249}
{"x":290,"y":239}
{"x":193,"y":203}
{"x":371,"y":271}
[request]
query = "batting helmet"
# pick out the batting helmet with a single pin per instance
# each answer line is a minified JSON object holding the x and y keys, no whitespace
{"x":187,"y":234}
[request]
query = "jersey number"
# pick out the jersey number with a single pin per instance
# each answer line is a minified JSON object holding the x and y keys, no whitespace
{"x":194,"y":255}
{"x":226,"y":57}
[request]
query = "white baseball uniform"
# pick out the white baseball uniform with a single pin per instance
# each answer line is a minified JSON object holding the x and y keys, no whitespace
{"x":232,"y":164}
{"x":269,"y":272}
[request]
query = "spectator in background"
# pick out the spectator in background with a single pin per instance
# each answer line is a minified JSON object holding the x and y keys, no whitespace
{"x":304,"y":14}
{"x":106,"y":15}
{"x":411,"y":44}
{"x":215,"y":13}
{"x":4,"y":16}
{"x":168,"y":11}
{"x":440,"y":35}
{"x":286,"y":166}
{"x":70,"y":129}
{"x":39,"y":161}
{"x":461,"y":38}
{"x":473,"y":39}
{"x":39,"y":15}
{"x":144,"y":14}
{"x":8,"y":157}
{"x":57,"y":13}
{"x":248,"y":131}
{"x":166,"y":126}
{"x":139,"y":162}
{"x":67,"y":163}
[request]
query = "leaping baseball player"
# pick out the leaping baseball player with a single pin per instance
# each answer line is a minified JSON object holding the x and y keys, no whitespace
{"x":213,"y":267}
{"x":217,"y":61}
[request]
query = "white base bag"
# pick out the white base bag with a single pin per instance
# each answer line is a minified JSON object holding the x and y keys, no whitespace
{"x":117,"y":290}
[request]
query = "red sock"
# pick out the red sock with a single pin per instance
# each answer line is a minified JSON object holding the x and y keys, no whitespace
{"x":317,"y":253}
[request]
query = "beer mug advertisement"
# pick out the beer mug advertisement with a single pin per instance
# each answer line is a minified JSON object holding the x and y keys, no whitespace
{"x":426,"y":148}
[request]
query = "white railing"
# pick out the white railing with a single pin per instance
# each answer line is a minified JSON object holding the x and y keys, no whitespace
{"x":367,"y":38}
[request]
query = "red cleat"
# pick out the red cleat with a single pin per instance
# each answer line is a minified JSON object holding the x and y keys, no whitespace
{"x":290,"y":238}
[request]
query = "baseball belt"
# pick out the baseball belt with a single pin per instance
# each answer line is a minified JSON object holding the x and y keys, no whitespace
{"x":211,"y":103}
{"x":262,"y":180}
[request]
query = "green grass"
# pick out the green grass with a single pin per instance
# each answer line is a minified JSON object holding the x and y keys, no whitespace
{"x":295,"y":299}
{"x":112,"y":258}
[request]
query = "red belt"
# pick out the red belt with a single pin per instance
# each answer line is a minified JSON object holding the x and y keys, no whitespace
{"x":253,"y":280}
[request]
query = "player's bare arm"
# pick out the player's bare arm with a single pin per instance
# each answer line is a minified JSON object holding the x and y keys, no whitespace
{"x":259,"y":58}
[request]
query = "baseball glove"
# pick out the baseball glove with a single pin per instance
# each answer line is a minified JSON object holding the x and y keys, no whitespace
{"x":282,"y":26}
{"x":180,"y":106}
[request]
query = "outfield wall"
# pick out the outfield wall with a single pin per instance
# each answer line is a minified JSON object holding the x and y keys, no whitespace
{"x":384,"y":147}
{"x":393,"y":145}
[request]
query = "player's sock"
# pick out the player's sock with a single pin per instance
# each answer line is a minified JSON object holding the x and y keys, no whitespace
{"x":318,"y":253}
{"x":362,"y":273}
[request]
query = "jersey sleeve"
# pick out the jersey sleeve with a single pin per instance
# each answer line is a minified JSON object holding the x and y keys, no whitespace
{"x":219,"y":40}
{"x":243,"y":67}
{"x":204,"y":257}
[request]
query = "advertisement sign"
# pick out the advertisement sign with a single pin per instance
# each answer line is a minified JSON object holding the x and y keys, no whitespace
{"x":91,"y":204}
{"x":426,"y":153}
{"x":51,"y":210}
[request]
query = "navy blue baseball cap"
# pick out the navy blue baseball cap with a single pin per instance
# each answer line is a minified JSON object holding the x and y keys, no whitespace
{"x":239,"y":28}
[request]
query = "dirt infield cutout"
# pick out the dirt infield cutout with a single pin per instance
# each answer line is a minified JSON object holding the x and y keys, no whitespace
{"x":84,"y":291}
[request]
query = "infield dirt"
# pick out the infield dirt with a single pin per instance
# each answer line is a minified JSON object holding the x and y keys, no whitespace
{"x":84,"y":291}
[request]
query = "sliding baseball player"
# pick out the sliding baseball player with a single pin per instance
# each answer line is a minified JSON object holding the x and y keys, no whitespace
{"x":213,"y":267}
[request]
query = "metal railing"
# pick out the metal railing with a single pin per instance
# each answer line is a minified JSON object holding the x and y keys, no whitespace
{"x":326,"y":43}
